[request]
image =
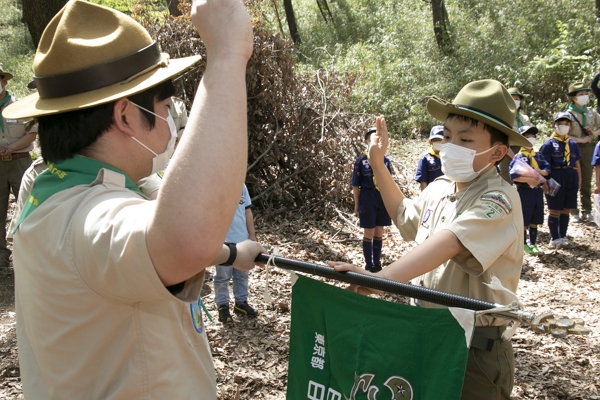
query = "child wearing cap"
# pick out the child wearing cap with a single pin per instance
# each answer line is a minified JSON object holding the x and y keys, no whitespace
{"x":468,"y":224}
{"x":529,"y":189}
{"x":562,"y":154}
{"x":430,"y":166}
{"x":584,"y":125}
{"x":369,"y":207}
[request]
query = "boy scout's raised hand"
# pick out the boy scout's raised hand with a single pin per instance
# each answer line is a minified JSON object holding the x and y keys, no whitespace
{"x":224,"y":27}
{"x":379,"y":141}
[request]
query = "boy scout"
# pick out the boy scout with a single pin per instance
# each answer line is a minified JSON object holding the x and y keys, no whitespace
{"x":107,"y":281}
{"x":585,"y":121}
{"x":467,"y":224}
{"x":520,"y":120}
{"x":16,"y":141}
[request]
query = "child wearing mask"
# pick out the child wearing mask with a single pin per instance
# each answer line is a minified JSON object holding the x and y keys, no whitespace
{"x":468,"y":224}
{"x":430,"y":166}
{"x":529,"y":189}
{"x":564,"y":158}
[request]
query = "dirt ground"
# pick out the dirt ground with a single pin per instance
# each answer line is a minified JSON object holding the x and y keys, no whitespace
{"x":251,"y":355}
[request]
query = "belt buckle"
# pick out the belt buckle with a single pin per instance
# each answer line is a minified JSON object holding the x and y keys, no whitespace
{"x":7,"y":157}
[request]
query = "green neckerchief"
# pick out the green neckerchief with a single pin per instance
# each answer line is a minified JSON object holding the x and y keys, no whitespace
{"x":63,"y":175}
{"x":519,"y":120}
{"x":583,"y":112}
{"x":3,"y":102}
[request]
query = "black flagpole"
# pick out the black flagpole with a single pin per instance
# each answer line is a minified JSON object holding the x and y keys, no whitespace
{"x":390,"y":286}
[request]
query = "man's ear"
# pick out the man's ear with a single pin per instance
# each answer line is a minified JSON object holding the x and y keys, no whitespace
{"x":123,"y":116}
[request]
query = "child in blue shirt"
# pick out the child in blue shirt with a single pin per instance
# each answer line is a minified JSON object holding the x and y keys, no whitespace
{"x":369,"y":208}
{"x":242,"y":228}
{"x":529,"y":189}
{"x":563,"y":156}
{"x":430,"y":166}
{"x":596,"y":165}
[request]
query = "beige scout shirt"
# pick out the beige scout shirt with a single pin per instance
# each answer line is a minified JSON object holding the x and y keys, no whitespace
{"x":487,"y":219}
{"x":15,"y":129}
{"x":592,"y":120}
{"x":93,"y":319}
{"x":521,"y":120}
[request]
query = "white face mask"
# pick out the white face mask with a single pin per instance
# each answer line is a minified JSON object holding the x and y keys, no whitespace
{"x":1,"y":87}
{"x":532,"y":140}
{"x":457,"y":162}
{"x":562,"y":130}
{"x":437,"y":145}
{"x":518,"y":103}
{"x":582,"y":100}
{"x":159,"y":162}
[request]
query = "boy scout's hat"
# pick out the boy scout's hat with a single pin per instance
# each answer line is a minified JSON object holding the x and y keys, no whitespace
{"x":486,"y":101}
{"x":563,"y":115}
{"x":5,"y":74}
{"x":577,"y":87}
{"x":90,"y":55}
{"x":528,"y":130}
{"x":513,"y":91}
{"x":369,"y":131}
{"x":437,"y":132}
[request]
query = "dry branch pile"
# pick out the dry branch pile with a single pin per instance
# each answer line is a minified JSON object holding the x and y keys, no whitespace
{"x":301,"y":142}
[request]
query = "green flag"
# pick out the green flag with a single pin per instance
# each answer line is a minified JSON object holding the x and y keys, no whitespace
{"x":348,"y":346}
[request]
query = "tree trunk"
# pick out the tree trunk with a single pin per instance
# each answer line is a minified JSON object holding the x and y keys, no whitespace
{"x":173,"y":10}
{"x":291,"y":20}
{"x":597,"y":8}
{"x":440,"y":26}
{"x":37,"y":14}
{"x":325,"y":11}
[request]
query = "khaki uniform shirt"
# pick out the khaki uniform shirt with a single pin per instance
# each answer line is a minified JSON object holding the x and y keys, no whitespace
{"x":15,"y":129}
{"x":94,"y":321}
{"x":487,"y":219}
{"x":592,"y":120}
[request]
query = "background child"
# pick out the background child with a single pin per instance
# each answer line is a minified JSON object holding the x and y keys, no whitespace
{"x":369,"y":208}
{"x":563,"y":156}
{"x":430,"y":166}
{"x":529,"y":189}
{"x":242,"y":228}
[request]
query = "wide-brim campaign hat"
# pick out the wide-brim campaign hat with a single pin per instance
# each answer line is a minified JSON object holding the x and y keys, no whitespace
{"x":577,"y":87}
{"x":90,"y":55}
{"x":486,"y":101}
{"x":5,"y":74}
{"x":513,"y":91}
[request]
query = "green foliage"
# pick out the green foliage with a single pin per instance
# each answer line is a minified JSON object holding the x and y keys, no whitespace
{"x":16,"y":48}
{"x":389,"y":50}
{"x":121,"y":5}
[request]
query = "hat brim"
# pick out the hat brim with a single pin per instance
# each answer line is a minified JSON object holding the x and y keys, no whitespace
{"x":36,"y":106}
{"x":572,"y":93}
{"x":7,"y":75}
{"x":440,"y":109}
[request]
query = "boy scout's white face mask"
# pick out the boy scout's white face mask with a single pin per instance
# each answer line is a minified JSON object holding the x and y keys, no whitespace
{"x":582,"y":100}
{"x":457,"y":162}
{"x":518,"y":103}
{"x":159,"y":162}
{"x":562,"y":130}
{"x":1,"y":87}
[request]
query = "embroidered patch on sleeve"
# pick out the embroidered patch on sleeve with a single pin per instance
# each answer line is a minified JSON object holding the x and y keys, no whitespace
{"x":497,"y":202}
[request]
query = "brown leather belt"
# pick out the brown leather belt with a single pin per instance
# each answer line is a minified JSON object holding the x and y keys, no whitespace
{"x":13,"y":156}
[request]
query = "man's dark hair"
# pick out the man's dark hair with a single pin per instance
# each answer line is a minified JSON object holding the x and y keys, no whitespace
{"x":64,"y":135}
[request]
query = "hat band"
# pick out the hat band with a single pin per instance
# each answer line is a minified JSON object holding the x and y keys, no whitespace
{"x":98,"y":76}
{"x":484,"y":114}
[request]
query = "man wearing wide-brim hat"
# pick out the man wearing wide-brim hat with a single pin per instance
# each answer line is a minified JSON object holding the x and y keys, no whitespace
{"x":586,"y":124}
{"x":107,"y":281}
{"x":16,"y":141}
{"x":467,"y":224}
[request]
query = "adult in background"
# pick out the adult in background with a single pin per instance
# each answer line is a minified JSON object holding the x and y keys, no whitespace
{"x":16,"y":141}
{"x":585,"y":124}
{"x":520,"y":120}
{"x":106,"y":280}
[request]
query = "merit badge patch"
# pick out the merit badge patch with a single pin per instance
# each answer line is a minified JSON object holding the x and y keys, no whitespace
{"x":196,"y":311}
{"x":497,"y":202}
